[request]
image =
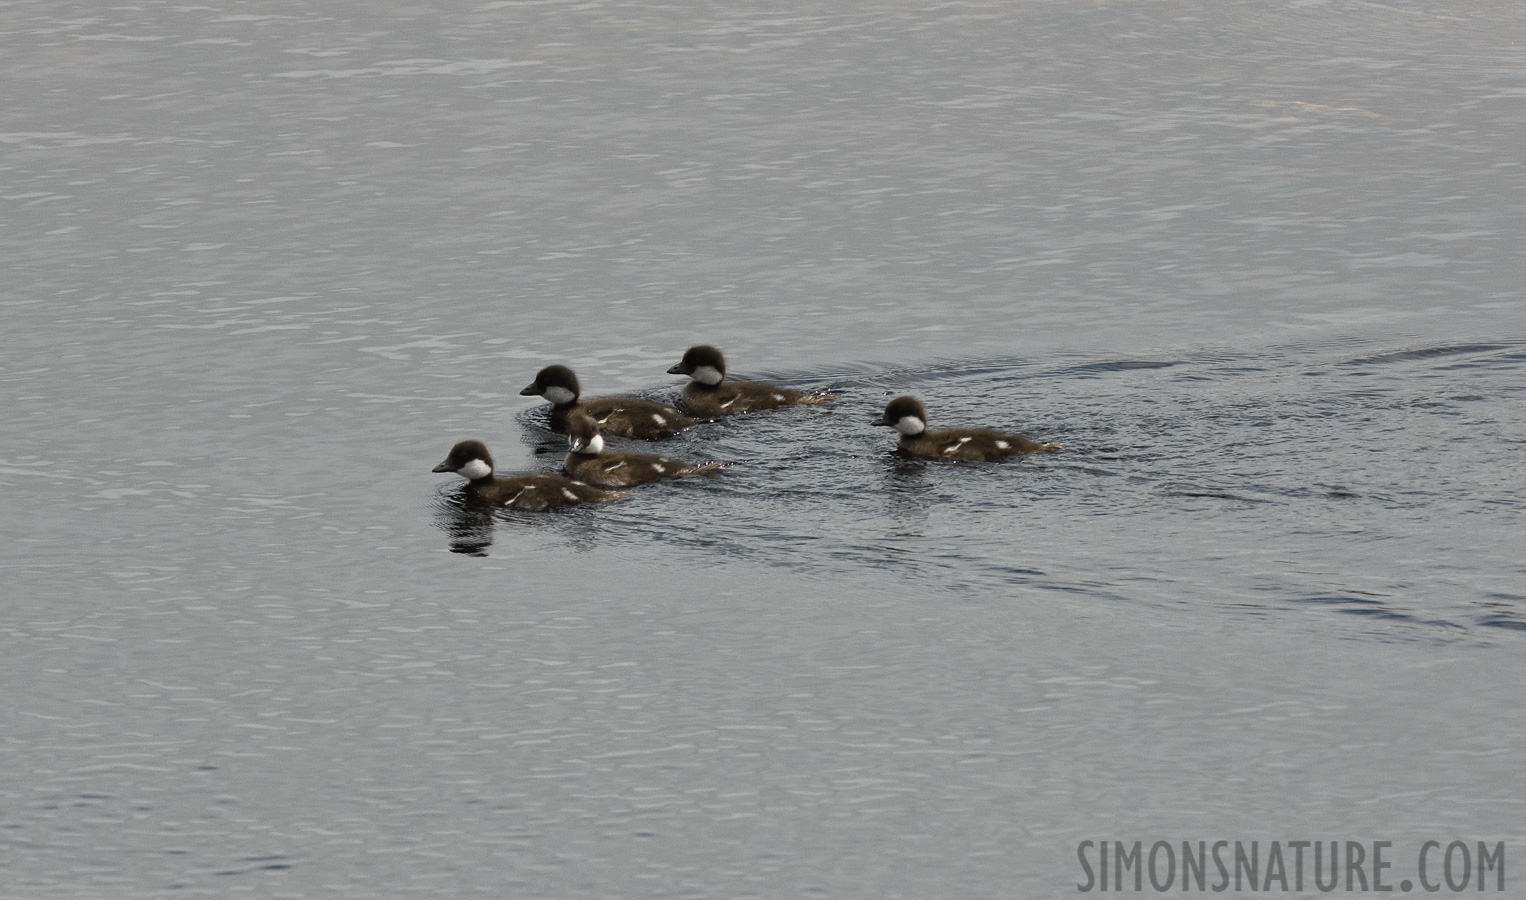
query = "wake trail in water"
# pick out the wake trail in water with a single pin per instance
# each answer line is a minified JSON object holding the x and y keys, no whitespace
{"x":1375,"y":482}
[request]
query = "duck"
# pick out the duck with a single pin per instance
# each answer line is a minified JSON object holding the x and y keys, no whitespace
{"x":628,"y":417}
{"x":709,"y":394}
{"x":588,"y":461}
{"x":535,"y":492}
{"x":908,"y":416}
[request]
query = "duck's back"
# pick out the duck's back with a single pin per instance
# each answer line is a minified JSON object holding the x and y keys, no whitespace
{"x":629,"y":469}
{"x":538,"y":493}
{"x":983,"y":444}
{"x":743,"y":396}
{"x":630,"y":417}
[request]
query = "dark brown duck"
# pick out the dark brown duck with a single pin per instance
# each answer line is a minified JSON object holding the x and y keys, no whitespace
{"x":630,"y":417}
{"x":535,"y":492}
{"x":909,"y":418}
{"x":709,"y":394}
{"x":589,"y":461}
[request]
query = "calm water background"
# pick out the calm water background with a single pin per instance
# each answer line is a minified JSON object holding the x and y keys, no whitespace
{"x":1258,"y":265}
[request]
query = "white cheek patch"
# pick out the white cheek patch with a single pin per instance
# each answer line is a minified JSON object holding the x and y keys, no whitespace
{"x":475,"y":469}
{"x":595,"y":445}
{"x":707,"y":375}
{"x":559,"y":395}
{"x":910,"y":425}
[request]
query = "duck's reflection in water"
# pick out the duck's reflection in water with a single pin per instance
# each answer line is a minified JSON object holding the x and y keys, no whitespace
{"x":908,"y":496}
{"x":468,"y":524}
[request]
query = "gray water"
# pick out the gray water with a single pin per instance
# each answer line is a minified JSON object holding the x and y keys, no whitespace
{"x":1257,"y":264}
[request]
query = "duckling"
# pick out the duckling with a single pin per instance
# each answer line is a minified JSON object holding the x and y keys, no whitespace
{"x":630,"y":417}
{"x":709,"y":394}
{"x":531,"y":491}
{"x":588,"y":461}
{"x":907,"y":416}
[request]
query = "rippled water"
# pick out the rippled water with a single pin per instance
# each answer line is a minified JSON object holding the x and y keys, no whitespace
{"x":1380,"y":483}
{"x":1256,"y":265}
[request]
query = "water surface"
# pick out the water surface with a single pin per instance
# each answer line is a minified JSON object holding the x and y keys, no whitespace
{"x":1256,"y":264}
